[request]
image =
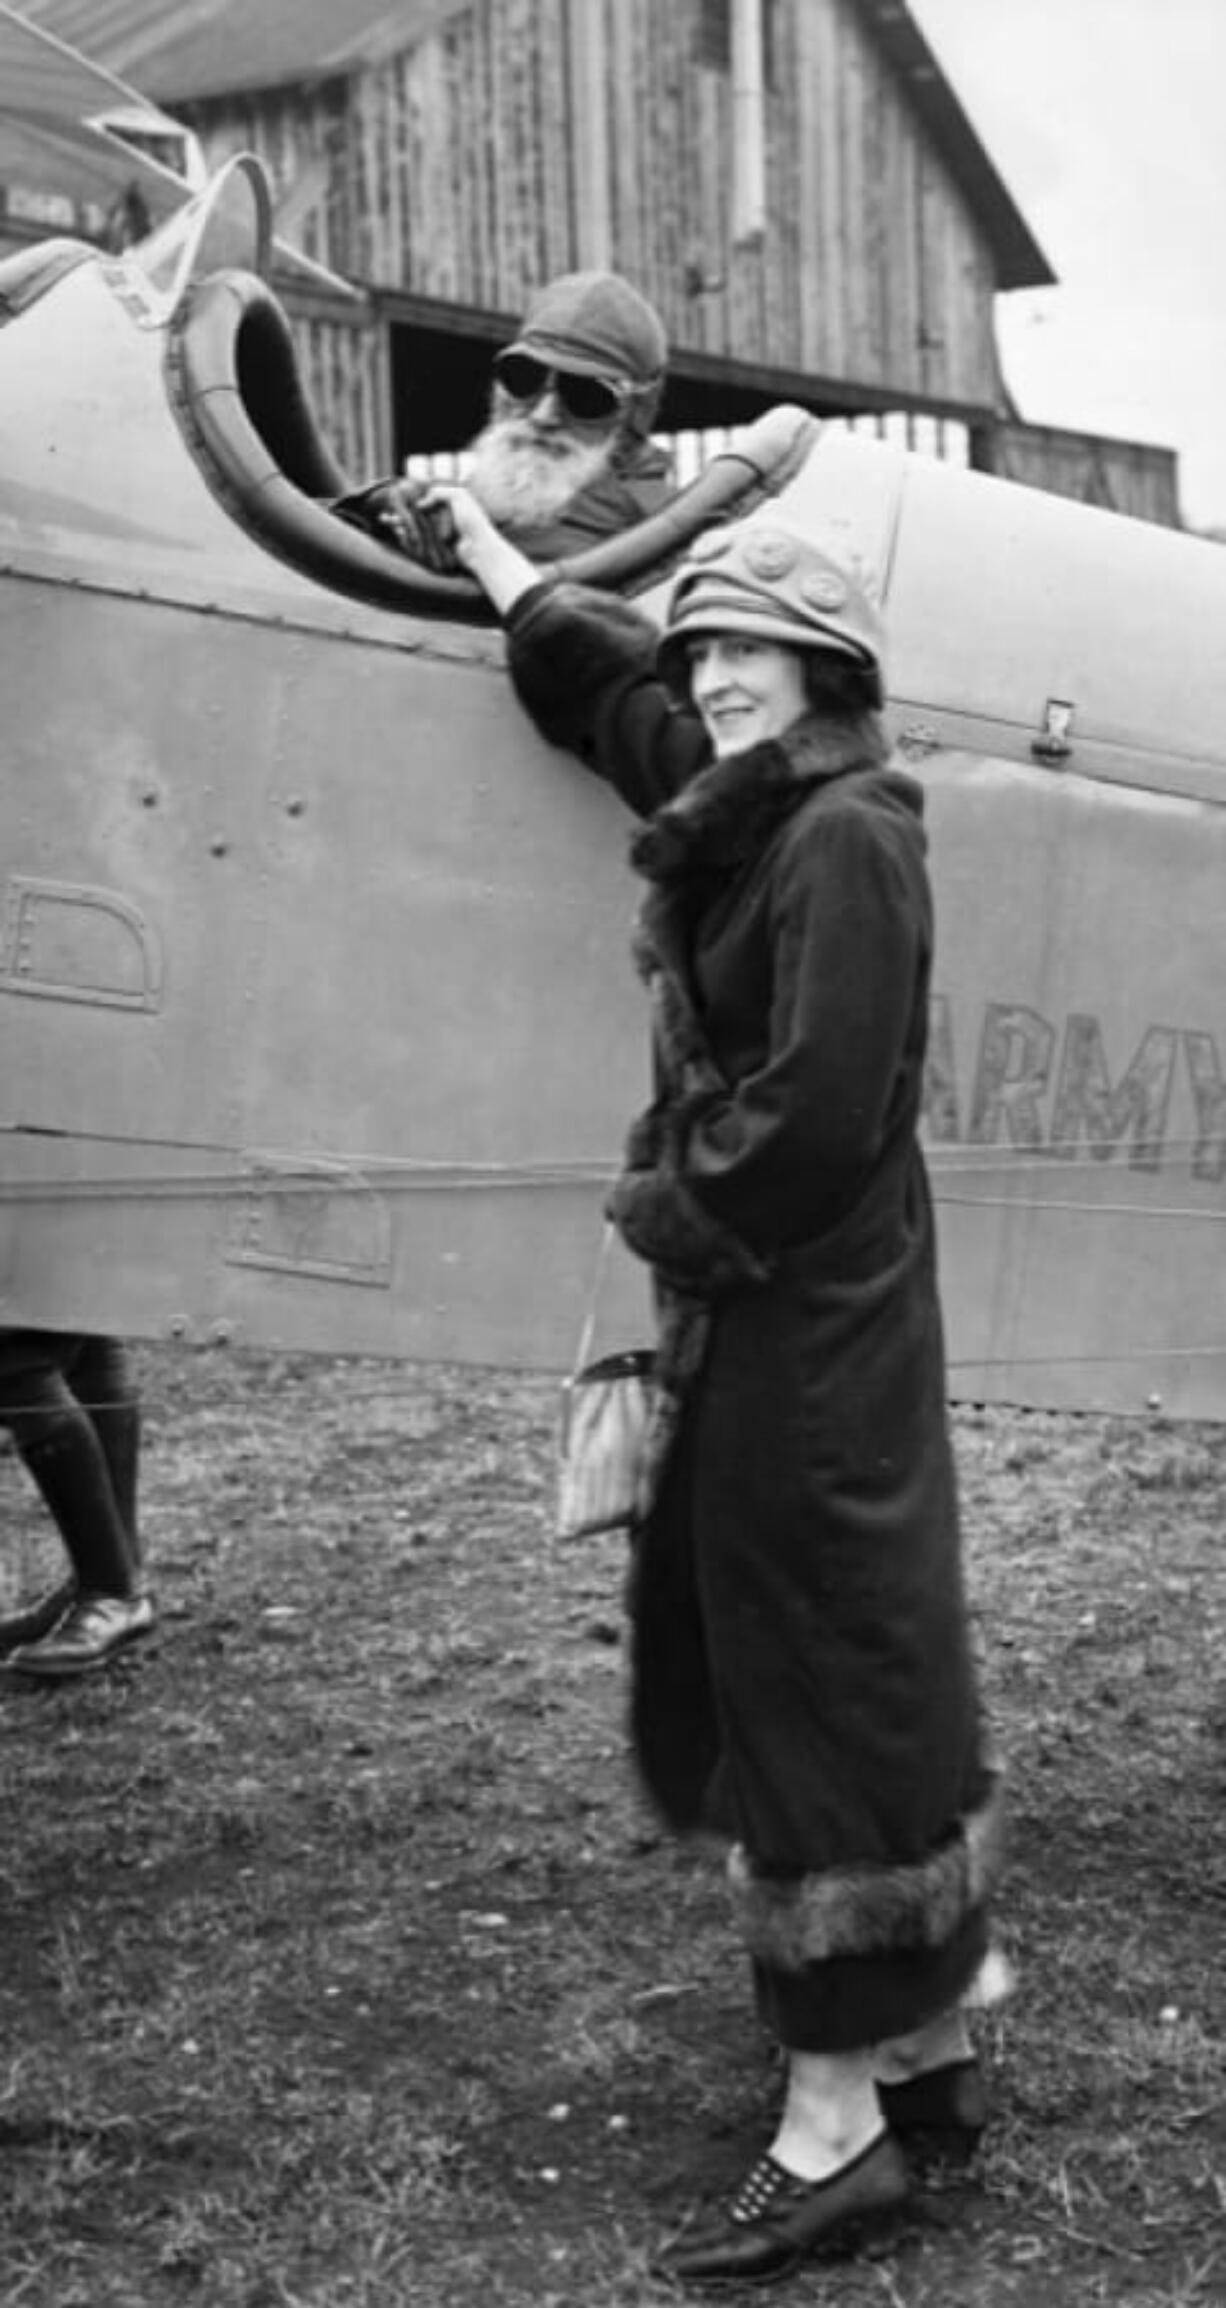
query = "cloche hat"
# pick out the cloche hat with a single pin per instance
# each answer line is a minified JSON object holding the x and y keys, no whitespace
{"x":758,"y":577}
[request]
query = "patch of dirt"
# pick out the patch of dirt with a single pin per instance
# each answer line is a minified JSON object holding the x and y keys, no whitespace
{"x":345,"y":1966}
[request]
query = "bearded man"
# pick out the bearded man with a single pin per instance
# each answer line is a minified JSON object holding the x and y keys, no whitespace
{"x":566,"y":457}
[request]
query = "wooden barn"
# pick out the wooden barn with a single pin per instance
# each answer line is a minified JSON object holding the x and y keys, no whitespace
{"x":793,"y":183}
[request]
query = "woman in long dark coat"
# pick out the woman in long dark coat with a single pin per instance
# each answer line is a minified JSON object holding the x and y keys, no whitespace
{"x":802,"y":1676}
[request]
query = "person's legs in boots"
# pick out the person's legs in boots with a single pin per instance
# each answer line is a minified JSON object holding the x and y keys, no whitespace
{"x":101,"y":1379}
{"x":831,"y":2175}
{"x":31,"y":1389}
{"x":58,"y":1443}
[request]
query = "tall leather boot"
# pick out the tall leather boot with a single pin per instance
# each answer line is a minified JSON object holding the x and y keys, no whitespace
{"x":70,"y":1468}
{"x":108,"y":1611}
{"x":102,"y":1381}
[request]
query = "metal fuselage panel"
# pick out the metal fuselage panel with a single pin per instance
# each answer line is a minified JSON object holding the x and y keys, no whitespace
{"x":319,"y":1027}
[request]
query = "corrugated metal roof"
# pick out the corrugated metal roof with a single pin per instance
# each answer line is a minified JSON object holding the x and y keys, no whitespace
{"x":115,"y":32}
{"x":183,"y":51}
{"x":40,"y":77}
{"x":50,"y":145}
{"x":51,"y":100}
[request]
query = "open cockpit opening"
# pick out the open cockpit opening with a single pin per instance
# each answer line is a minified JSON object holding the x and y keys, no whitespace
{"x":237,"y":392}
{"x":271,"y":391}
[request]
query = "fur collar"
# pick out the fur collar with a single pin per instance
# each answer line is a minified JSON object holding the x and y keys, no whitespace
{"x":731,"y":809}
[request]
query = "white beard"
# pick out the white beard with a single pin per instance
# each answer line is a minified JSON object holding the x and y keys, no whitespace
{"x":525,"y":479}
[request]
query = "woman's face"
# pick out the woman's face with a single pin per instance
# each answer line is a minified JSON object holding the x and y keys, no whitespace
{"x":744,"y":689}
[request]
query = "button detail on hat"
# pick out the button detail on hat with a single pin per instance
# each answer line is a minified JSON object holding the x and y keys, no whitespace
{"x":826,"y":592}
{"x":769,"y":556}
{"x":770,"y":583}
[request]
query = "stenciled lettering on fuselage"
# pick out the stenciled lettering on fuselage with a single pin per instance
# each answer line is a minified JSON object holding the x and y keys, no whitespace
{"x":1051,"y":1089}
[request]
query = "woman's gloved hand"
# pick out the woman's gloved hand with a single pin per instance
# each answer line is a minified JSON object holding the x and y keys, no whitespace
{"x":393,"y":513}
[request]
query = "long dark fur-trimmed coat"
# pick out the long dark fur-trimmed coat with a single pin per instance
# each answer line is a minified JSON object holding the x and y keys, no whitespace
{"x":802,"y":1680}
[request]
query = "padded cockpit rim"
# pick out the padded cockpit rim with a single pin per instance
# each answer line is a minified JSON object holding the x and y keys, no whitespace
{"x":243,"y":472}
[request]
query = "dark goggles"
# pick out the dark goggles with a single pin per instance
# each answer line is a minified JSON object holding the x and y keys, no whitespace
{"x":587,"y":400}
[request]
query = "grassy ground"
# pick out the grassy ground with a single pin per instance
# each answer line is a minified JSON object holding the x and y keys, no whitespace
{"x":343,"y":1968}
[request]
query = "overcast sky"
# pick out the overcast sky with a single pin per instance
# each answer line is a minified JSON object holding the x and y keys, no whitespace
{"x":1107,"y":121}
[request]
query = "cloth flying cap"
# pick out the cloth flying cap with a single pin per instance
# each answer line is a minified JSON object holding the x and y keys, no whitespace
{"x":596,"y":325}
{"x":756,"y":577}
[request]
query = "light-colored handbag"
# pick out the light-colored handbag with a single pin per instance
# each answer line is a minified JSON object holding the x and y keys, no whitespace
{"x":606,"y":1414}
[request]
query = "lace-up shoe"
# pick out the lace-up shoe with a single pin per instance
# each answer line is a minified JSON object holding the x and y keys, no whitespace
{"x":93,"y":1629}
{"x":775,"y":2222}
{"x":37,"y":1619}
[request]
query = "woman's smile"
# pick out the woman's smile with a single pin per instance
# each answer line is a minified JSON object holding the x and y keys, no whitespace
{"x":745,"y":689}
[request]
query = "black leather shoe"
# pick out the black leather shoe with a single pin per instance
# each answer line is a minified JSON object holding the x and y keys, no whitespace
{"x":775,"y":2222}
{"x":38,"y":1619}
{"x":945,"y":2108}
{"x":91,"y":1632}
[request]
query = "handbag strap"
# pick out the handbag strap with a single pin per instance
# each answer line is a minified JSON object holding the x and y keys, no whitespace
{"x":588,"y":1332}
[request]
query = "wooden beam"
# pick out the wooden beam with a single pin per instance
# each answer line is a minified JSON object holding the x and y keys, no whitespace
{"x":748,"y":125}
{"x":591,"y":220}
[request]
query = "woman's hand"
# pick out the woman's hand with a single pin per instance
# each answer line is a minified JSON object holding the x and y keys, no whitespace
{"x":466,"y":530}
{"x":399,"y":509}
{"x":461,"y":524}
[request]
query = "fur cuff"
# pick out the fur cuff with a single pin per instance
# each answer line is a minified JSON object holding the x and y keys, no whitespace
{"x":660,"y":1219}
{"x":566,"y":644}
{"x":789,"y":1921}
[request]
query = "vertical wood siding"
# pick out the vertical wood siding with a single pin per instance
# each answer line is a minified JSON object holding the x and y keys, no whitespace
{"x":1132,"y":477}
{"x":452,"y":170}
{"x":342,"y":372}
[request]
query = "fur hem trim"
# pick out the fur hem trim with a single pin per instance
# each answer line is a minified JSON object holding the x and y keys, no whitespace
{"x":789,"y":1921}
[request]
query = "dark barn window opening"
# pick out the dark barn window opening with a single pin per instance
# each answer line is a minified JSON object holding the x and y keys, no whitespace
{"x":440,"y":384}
